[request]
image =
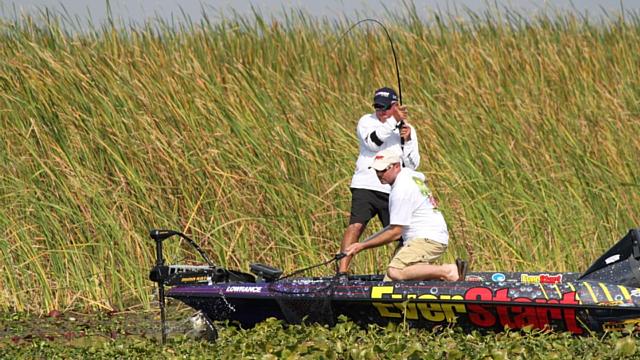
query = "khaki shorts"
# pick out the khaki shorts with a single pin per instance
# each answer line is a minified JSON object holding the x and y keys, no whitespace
{"x":418,"y":250}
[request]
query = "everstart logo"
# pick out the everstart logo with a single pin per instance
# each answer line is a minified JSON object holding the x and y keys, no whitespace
{"x":541,"y":279}
{"x":517,"y":317}
{"x":482,"y":307}
{"x":435,"y":311}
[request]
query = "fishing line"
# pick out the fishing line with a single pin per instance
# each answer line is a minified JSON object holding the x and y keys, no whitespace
{"x":393,"y":49}
{"x":335,"y":258}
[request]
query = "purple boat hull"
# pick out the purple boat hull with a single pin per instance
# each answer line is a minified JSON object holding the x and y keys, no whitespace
{"x":485,"y":301}
{"x":606,"y":297}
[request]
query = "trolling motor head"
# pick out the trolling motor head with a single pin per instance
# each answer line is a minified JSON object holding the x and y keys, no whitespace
{"x":160,"y":235}
{"x":619,"y":265}
{"x":160,"y":272}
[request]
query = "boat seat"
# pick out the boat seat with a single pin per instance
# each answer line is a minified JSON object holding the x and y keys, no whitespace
{"x":266,"y":272}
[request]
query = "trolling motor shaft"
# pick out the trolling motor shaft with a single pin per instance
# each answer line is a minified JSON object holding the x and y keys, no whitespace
{"x":158,"y":274}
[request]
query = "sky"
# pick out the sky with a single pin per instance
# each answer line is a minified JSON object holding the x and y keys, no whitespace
{"x":137,"y":11}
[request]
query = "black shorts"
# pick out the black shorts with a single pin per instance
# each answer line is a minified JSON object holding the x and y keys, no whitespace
{"x":365,"y":204}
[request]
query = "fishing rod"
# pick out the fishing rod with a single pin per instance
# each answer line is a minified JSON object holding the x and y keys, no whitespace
{"x":395,"y":60}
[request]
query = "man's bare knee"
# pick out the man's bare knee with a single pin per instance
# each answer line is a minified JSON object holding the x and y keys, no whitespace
{"x":395,"y":274}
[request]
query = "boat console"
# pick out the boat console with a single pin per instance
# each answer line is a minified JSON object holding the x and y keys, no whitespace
{"x":620,"y":264}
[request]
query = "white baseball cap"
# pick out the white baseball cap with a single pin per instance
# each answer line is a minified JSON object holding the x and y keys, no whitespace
{"x":384,"y":158}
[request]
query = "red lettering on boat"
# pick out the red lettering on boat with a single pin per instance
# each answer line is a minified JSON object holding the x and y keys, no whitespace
{"x":519,"y":316}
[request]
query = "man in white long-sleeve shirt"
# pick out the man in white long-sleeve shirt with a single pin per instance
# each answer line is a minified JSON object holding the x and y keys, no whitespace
{"x":384,"y":129}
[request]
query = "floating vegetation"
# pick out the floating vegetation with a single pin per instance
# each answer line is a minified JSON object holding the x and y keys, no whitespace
{"x":125,"y":337}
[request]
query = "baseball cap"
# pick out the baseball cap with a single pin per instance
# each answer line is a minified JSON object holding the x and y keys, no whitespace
{"x":384,"y":97}
{"x":384,"y":158}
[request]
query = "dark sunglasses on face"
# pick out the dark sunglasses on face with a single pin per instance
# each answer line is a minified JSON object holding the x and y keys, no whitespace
{"x":381,"y":108}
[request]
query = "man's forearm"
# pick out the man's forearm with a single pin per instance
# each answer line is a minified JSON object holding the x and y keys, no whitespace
{"x":389,"y":234}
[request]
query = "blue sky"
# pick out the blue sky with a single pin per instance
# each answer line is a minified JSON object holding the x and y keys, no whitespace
{"x":141,"y":10}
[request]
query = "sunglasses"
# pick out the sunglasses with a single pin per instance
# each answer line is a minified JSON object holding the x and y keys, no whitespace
{"x":381,"y":108}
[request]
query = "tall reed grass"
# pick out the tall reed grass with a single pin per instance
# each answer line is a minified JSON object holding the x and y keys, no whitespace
{"x":241,"y":134}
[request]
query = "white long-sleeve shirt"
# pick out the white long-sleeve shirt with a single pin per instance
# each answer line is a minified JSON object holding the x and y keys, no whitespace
{"x":373,"y":136}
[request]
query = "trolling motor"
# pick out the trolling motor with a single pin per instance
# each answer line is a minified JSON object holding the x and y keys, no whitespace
{"x":162,"y":273}
{"x":185,"y":274}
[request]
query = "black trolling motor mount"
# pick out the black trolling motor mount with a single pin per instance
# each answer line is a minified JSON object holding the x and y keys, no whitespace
{"x":165,"y":274}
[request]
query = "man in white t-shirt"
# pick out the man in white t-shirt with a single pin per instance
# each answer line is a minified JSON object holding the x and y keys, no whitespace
{"x":414,"y":215}
{"x":384,"y":129}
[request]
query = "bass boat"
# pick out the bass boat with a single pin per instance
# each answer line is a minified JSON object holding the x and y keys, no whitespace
{"x":606,"y":297}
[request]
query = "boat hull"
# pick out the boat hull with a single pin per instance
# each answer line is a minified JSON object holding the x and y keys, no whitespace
{"x":485,"y":301}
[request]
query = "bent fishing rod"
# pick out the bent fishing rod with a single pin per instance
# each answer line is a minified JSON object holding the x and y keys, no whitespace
{"x":395,"y":60}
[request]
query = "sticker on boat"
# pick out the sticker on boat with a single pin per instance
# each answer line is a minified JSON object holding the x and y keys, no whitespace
{"x":541,"y":279}
{"x":244,"y":289}
{"x":612,"y":259}
{"x":624,"y":325}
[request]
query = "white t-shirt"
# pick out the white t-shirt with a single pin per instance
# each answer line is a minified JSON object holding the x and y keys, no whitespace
{"x":374,"y":136}
{"x":412,"y":205}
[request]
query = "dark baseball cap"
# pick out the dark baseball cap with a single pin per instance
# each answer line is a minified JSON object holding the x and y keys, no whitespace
{"x":384,"y":98}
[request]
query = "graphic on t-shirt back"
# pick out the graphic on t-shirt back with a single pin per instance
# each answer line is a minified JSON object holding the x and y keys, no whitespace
{"x":425,"y":191}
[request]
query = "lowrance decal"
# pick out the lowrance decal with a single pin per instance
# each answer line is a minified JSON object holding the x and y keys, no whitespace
{"x":244,"y":289}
